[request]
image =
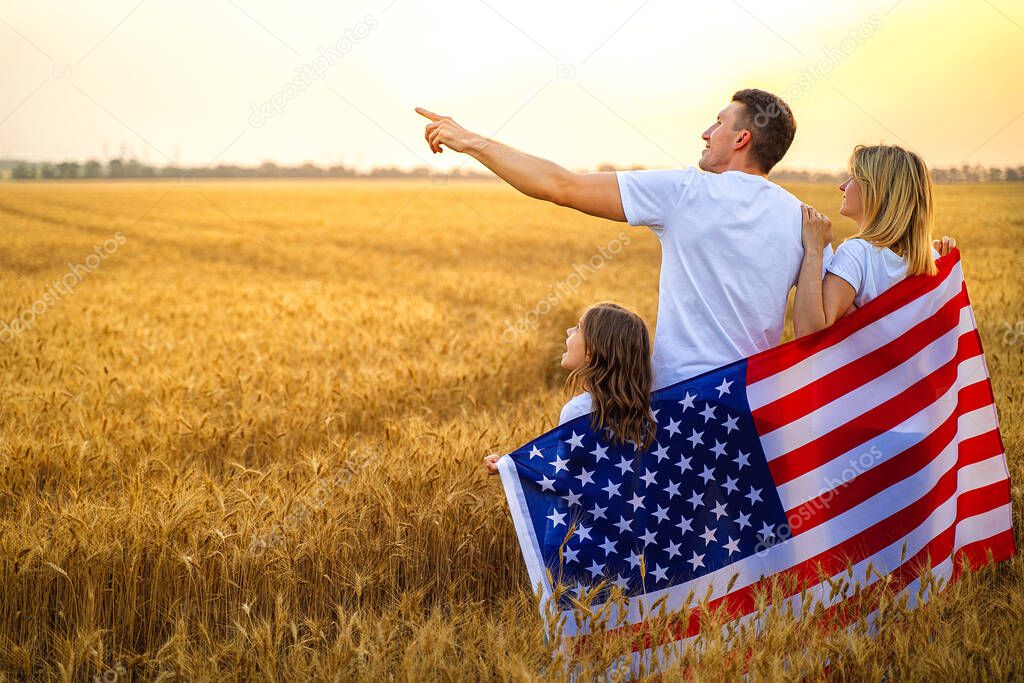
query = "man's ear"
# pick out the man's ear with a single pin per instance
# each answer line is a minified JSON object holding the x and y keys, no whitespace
{"x":743,"y":138}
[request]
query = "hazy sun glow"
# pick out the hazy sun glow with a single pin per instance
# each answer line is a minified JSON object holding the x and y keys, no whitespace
{"x":583,"y":83}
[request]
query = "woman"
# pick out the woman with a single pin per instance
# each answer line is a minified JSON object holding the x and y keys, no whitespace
{"x":889,"y":196}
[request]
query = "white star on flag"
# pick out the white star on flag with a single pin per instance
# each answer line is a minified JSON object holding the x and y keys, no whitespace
{"x":696,"y":560}
{"x":707,"y":475}
{"x":754,"y":495}
{"x":600,"y":452}
{"x":557,"y":518}
{"x":687,"y":401}
{"x":743,"y":519}
{"x":560,"y":464}
{"x":672,"y":549}
{"x":583,"y":532}
{"x":709,"y":535}
{"x":624,"y":524}
{"x":637,"y":502}
{"x":661,"y":514}
{"x":535,"y":453}
{"x":634,"y":559}
{"x":598,"y":512}
{"x":546,"y":484}
{"x":742,"y":460}
{"x":696,"y":499}
{"x":683,"y":464}
{"x":659,"y":573}
{"x":673,"y":426}
{"x":719,"y":510}
{"x":719,"y":449}
{"x":572,"y":497}
{"x":723,"y":388}
{"x":730,"y":485}
{"x":695,"y":438}
{"x":612,"y":489}
{"x":649,"y":477}
{"x":661,"y":452}
{"x":733,"y":546}
{"x":608,"y":546}
{"x":625,"y":464}
{"x":585,"y":477}
{"x":570,"y":555}
{"x":576,"y":441}
{"x":672,"y":490}
{"x":685,"y":524}
{"x":730,"y":424}
{"x":595,"y":568}
{"x":649,"y":536}
{"x":708,"y":412}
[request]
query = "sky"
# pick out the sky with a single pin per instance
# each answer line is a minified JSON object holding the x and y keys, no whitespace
{"x":631,"y":82}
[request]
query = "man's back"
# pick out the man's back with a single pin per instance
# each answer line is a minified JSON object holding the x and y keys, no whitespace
{"x":731,"y":251}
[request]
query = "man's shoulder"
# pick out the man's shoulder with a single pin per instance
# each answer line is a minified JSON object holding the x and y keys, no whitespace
{"x":681,"y":175}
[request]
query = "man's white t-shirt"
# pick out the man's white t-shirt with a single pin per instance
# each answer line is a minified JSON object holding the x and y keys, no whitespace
{"x":868,"y":268}
{"x":731,"y":251}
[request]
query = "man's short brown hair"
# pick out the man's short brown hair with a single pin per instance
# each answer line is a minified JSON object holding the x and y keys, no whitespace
{"x":771,"y":124}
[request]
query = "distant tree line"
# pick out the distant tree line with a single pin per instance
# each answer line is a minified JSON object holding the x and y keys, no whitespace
{"x":132,"y":168}
{"x":942,"y":176}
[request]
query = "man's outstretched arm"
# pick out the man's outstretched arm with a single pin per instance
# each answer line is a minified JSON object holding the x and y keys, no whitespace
{"x":596,"y":194}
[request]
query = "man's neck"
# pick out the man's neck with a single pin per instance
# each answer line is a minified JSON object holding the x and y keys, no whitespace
{"x":743,"y":166}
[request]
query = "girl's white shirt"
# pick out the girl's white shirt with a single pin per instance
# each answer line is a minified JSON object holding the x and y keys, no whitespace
{"x":580,"y":404}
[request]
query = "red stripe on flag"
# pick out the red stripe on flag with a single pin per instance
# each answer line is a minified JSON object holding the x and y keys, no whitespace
{"x":857,"y":373}
{"x":771,"y":361}
{"x":849,"y":494}
{"x":876,"y":421}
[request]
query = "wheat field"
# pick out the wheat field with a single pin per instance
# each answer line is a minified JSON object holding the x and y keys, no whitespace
{"x":242,"y":426}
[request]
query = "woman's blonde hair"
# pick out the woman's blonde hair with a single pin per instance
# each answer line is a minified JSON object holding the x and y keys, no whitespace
{"x":896,"y":191}
{"x":618,"y":374}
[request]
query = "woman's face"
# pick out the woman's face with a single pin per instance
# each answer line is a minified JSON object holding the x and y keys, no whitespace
{"x":853,"y":206}
{"x":575,"y":355}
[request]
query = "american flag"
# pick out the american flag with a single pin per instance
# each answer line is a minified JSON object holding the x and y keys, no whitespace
{"x":873,"y":443}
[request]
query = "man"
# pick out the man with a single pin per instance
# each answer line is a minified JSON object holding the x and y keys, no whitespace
{"x":731,"y":239}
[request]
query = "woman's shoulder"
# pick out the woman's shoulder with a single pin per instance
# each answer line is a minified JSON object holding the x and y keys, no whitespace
{"x":856,"y":245}
{"x":578,"y":405}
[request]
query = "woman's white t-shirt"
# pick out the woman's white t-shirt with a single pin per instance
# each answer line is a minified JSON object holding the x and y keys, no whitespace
{"x":580,"y":404}
{"x":869,"y":269}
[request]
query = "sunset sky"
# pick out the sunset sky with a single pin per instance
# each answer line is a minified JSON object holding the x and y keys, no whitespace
{"x":581,"y":83}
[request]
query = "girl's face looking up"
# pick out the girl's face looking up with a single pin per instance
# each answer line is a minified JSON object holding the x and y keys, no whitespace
{"x":575,"y":355}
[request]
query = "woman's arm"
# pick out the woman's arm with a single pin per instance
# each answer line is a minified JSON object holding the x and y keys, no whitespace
{"x":818,"y":303}
{"x":809,"y":305}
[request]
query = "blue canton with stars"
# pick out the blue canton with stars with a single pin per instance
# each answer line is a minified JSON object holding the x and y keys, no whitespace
{"x":699,"y":499}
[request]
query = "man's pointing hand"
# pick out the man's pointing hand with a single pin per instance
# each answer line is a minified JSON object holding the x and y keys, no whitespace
{"x":442,"y":130}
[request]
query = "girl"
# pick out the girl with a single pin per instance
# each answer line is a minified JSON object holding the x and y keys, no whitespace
{"x":889,"y":196}
{"x":608,"y":356}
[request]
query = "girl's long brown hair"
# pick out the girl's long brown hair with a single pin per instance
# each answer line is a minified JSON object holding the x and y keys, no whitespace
{"x":618,"y":374}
